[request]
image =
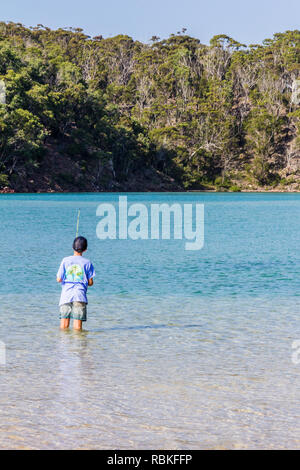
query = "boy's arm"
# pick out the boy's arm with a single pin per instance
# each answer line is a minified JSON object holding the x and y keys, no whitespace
{"x":60,"y":273}
{"x":90,"y":274}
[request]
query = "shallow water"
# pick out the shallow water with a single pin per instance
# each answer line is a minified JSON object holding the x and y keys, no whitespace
{"x":181,"y":350}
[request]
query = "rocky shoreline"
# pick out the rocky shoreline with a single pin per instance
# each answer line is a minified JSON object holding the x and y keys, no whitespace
{"x":121,"y":188}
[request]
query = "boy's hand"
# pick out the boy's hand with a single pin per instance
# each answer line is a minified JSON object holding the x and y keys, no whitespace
{"x":90,"y":282}
{"x":58,"y":279}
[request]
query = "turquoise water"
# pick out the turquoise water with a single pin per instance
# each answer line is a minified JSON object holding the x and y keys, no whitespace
{"x":181,"y":350}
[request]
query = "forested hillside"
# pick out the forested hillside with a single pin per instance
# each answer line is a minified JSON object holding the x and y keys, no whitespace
{"x":94,"y":114}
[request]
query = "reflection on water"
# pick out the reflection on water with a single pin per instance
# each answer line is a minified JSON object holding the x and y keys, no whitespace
{"x":216,"y":375}
{"x":180,"y":350}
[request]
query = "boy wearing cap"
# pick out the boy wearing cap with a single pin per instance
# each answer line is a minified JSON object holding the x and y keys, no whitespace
{"x":75,"y":274}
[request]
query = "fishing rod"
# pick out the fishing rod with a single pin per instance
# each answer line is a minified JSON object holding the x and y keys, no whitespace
{"x":77,"y":228}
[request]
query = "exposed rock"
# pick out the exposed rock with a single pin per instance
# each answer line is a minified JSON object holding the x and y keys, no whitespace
{"x":7,"y":190}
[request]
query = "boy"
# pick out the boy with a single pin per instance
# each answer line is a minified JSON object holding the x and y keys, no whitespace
{"x":75,"y":274}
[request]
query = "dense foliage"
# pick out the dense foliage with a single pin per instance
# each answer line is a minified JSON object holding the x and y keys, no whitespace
{"x":207,"y":116}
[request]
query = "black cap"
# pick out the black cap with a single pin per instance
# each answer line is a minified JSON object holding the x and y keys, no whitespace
{"x":80,"y":244}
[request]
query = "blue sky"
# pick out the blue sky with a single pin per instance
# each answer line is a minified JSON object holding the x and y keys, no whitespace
{"x":248,"y":22}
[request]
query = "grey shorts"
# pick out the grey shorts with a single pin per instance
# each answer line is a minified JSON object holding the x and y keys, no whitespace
{"x":75,"y":310}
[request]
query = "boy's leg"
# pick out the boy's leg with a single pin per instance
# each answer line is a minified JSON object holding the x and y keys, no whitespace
{"x":65,"y":311}
{"x":77,"y":325}
{"x":78,"y":314}
{"x":64,"y":323}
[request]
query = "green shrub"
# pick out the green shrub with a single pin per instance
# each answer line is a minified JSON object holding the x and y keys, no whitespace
{"x":222,"y":183}
{"x":3,"y":180}
{"x":235,"y":189}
